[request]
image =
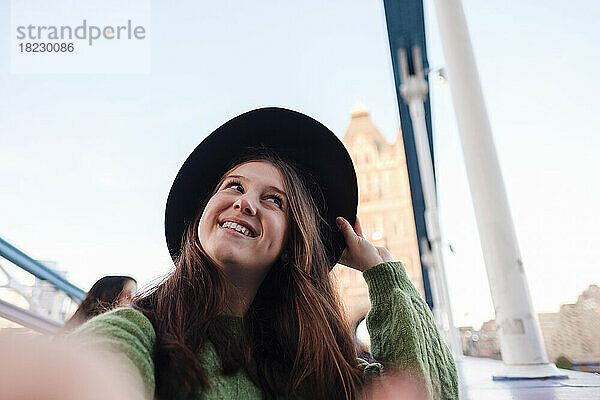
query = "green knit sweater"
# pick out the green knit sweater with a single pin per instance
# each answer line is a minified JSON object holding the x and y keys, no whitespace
{"x":402,"y":330}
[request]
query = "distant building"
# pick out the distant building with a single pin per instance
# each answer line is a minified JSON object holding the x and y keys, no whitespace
{"x":488,"y":343}
{"x":481,"y":343}
{"x":549,"y":323}
{"x":22,"y":289}
{"x":385,"y":206}
{"x":573,"y":332}
{"x":466,"y":339}
{"x":46,"y":299}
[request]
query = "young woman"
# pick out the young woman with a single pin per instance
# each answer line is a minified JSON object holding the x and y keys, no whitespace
{"x":107,"y":293}
{"x":257,"y":216}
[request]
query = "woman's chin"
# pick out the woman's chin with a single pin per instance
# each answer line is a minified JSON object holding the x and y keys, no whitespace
{"x":240,"y":262}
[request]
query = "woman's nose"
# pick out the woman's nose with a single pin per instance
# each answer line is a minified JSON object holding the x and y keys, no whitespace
{"x":245,"y":205}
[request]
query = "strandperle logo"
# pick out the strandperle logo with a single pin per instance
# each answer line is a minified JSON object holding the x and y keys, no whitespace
{"x":84,"y":31}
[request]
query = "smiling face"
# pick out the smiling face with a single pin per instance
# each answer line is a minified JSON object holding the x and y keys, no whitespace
{"x":245,"y":223}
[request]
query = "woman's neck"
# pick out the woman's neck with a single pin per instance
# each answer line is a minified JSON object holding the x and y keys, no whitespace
{"x":239,"y":302}
{"x":242,"y":290}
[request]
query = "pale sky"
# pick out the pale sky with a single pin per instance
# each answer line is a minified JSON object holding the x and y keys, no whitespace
{"x":86,"y":161}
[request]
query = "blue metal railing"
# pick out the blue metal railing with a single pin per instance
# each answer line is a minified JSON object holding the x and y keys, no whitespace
{"x":36,"y":268}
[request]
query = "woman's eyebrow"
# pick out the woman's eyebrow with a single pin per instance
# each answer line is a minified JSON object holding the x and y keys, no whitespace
{"x":273,"y":188}
{"x":276,"y":189}
{"x":236,"y":176}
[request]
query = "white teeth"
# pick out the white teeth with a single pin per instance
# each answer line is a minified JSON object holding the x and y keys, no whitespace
{"x":238,"y":228}
{"x":243,"y":230}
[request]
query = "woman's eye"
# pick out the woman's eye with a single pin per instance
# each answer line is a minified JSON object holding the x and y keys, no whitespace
{"x":276,"y":200}
{"x":236,"y":186}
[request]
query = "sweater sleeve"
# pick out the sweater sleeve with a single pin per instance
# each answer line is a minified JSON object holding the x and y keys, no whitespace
{"x":403,"y":333}
{"x":129,"y":336}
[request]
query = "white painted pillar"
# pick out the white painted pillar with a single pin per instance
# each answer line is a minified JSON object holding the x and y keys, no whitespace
{"x":414,"y":92}
{"x":520,"y":337}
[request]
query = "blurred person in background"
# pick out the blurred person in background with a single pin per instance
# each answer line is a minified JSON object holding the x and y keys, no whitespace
{"x":107,"y":293}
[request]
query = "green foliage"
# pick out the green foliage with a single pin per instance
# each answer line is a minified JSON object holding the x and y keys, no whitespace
{"x":564,"y":363}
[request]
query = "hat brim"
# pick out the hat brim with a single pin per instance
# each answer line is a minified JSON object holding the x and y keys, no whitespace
{"x":291,"y":135}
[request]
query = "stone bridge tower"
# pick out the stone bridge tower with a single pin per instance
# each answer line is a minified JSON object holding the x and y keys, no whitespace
{"x":384,"y":206}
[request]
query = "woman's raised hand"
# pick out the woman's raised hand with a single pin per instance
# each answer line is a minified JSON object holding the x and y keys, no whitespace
{"x":359,"y":253}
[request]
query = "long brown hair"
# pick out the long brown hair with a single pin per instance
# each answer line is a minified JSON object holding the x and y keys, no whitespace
{"x":296,"y":341}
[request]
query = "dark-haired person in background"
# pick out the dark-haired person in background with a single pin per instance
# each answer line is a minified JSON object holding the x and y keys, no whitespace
{"x":107,"y":293}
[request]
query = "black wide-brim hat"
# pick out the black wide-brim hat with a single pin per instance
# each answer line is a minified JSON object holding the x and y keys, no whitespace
{"x":321,"y":157}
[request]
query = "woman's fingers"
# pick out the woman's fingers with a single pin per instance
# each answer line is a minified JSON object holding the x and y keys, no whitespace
{"x":385,"y":254}
{"x":358,"y":228}
{"x":359,"y":253}
{"x":346,"y":229}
